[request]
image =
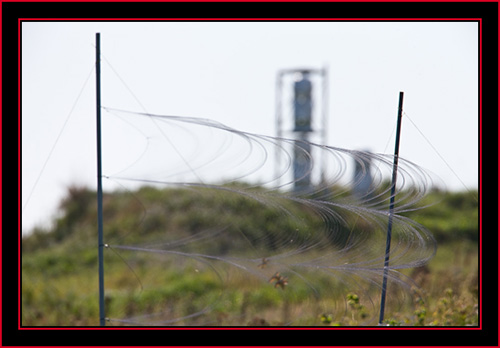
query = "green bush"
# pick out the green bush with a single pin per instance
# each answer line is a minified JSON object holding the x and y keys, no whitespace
{"x":59,"y":264}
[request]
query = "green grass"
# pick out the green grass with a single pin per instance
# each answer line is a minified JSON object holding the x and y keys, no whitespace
{"x":59,"y":267}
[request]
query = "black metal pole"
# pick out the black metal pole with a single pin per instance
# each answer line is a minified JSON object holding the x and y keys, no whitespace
{"x":391,"y":209}
{"x":99,"y":181}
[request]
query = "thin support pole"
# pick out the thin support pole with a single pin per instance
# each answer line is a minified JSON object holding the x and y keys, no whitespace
{"x":99,"y":182}
{"x":391,"y":210}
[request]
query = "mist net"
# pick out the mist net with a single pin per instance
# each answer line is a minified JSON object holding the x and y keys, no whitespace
{"x":223,"y":227}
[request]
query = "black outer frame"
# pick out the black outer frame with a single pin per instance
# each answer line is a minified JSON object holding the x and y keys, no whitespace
{"x":13,"y":335}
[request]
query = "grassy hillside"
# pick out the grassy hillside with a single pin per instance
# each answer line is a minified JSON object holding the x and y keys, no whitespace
{"x":59,"y":265}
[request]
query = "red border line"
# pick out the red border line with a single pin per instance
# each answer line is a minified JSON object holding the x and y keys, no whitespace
{"x":238,"y":1}
{"x":20,"y":20}
{"x":315,"y":19}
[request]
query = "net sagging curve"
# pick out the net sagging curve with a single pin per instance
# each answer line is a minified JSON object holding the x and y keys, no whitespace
{"x":300,"y":250}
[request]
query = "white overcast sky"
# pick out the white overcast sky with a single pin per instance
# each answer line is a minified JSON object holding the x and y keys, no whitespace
{"x":226,"y":71}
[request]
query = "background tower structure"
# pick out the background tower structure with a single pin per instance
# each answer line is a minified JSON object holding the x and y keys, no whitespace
{"x":301,"y":114}
{"x":362,"y":180}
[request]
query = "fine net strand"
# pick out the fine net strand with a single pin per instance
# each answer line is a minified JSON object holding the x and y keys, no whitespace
{"x":223,"y":237}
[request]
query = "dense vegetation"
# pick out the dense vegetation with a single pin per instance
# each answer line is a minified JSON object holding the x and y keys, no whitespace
{"x":59,"y":264}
